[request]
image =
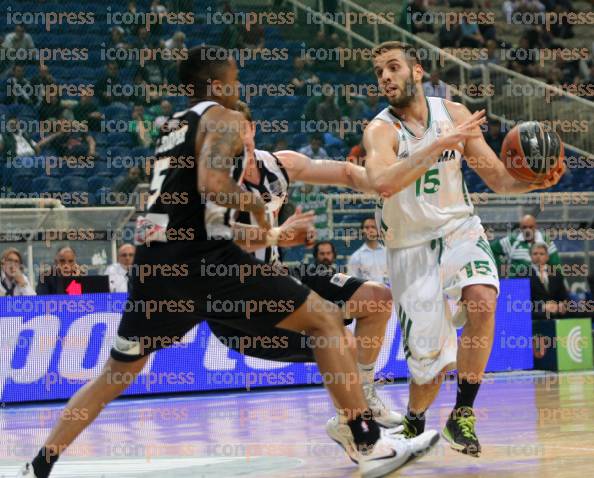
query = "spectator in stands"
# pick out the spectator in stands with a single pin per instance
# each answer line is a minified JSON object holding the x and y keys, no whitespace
{"x":254,"y":37}
{"x":108,"y":87}
{"x":302,"y":76}
{"x":65,"y":265}
{"x":280,"y":145}
{"x":547,"y":287}
{"x":588,"y":84}
{"x":324,"y":252}
{"x":164,"y":111}
{"x":369,"y":262}
{"x":16,"y":143}
{"x":327,"y":111}
{"x":119,"y":273}
{"x":470,"y":35}
{"x":18,"y":88}
{"x":75,"y":143}
{"x":18,"y":40}
{"x":158,"y":8}
{"x":86,"y":111}
{"x":177,"y":41}
{"x":40,"y":83}
{"x":512,"y":252}
{"x":142,"y":127}
{"x":315,"y":148}
{"x":13,"y":281}
{"x":449,"y":35}
{"x":414,"y":18}
{"x":176,"y":45}
{"x":129,"y":183}
{"x":523,"y":59}
{"x":51,"y":106}
{"x":118,"y":44}
{"x":232,"y":35}
{"x":494,"y":136}
{"x":143,"y":94}
{"x":435,"y":87}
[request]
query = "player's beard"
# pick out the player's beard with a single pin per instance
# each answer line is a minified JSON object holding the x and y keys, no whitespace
{"x":408,"y":92}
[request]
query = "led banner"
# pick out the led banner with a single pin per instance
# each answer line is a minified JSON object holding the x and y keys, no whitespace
{"x":52,"y":345}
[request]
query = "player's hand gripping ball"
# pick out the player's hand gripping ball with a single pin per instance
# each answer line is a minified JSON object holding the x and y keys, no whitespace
{"x":531,"y":154}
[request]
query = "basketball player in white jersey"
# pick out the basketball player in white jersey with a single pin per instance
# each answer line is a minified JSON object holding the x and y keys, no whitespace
{"x":435,"y":244}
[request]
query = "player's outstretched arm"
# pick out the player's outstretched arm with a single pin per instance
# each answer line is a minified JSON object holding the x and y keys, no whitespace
{"x":389,"y":175}
{"x":222,"y":143}
{"x":297,"y":230}
{"x":484,"y":161}
{"x":324,"y":171}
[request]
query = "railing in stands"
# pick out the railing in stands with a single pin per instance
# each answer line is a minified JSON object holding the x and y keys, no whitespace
{"x":545,"y":103}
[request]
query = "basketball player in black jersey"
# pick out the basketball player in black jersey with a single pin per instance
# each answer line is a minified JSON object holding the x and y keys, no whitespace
{"x":185,"y":228}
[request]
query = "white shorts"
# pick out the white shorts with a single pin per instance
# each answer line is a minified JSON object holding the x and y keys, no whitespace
{"x":423,"y":277}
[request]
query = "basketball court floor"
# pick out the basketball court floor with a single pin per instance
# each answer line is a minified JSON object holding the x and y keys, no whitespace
{"x":530,"y":425}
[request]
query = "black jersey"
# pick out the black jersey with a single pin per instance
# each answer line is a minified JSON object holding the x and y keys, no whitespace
{"x":272,"y":189}
{"x":175,"y":210}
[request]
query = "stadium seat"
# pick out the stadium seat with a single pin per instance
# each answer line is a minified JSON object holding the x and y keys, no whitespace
{"x":74,"y":183}
{"x":46,"y":184}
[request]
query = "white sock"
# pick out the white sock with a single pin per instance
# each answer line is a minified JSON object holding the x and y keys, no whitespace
{"x":367,"y":372}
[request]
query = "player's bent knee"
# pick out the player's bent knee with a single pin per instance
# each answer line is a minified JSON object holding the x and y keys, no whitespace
{"x":480,"y":300}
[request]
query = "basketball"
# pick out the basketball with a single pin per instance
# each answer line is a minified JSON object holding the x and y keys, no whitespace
{"x":531,"y":154}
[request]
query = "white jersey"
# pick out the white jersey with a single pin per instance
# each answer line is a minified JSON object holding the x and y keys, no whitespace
{"x":272,"y":189}
{"x":437,"y":202}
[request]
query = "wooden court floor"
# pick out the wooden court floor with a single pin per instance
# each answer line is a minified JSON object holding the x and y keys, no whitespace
{"x":530,"y":425}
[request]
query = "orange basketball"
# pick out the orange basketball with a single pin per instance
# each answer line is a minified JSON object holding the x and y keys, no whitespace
{"x":531,"y":154}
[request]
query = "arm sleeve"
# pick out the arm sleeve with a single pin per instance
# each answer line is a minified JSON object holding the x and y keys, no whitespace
{"x":353,"y":265}
{"x":554,"y":258}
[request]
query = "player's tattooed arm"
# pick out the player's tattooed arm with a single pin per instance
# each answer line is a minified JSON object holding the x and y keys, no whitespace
{"x":222,"y":144}
{"x":300,"y":167}
{"x":480,"y":157}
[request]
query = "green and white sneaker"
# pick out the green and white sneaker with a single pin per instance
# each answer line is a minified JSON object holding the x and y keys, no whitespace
{"x":459,"y":432}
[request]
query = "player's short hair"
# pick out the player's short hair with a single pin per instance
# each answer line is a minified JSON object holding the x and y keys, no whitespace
{"x":317,"y":245}
{"x":539,"y":245}
{"x":244,"y":109}
{"x":410,"y":52}
{"x":203,"y":63}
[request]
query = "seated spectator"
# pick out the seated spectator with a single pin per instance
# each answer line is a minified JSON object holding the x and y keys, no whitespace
{"x":369,"y":261}
{"x":435,"y":87}
{"x":15,"y":143}
{"x":164,"y":111}
{"x":281,"y":144}
{"x":143,"y":94}
{"x":547,"y":287}
{"x":232,"y":35}
{"x":414,"y":19}
{"x":327,"y":111}
{"x":523,"y":59}
{"x":18,"y":88}
{"x":75,"y":144}
{"x":324,"y":253}
{"x":129,"y":183}
{"x":449,"y":35}
{"x":86,"y":111}
{"x":302,"y":76}
{"x":315,"y":148}
{"x":18,"y":40}
{"x":494,"y":136}
{"x":254,"y":37}
{"x":177,"y":41}
{"x":119,"y":273}
{"x":470,"y":35}
{"x":40,"y":82}
{"x":512,"y":252}
{"x":65,"y":265}
{"x":51,"y":107}
{"x":108,"y":87}
{"x":143,"y":127}
{"x":118,"y":44}
{"x":13,"y":281}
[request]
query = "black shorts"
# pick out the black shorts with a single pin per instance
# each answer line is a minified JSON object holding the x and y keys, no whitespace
{"x":287,"y":346}
{"x":177,"y":285}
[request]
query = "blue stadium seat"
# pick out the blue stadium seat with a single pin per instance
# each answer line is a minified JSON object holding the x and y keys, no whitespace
{"x":46,"y":184}
{"x":97,"y":182}
{"x":74,"y":183}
